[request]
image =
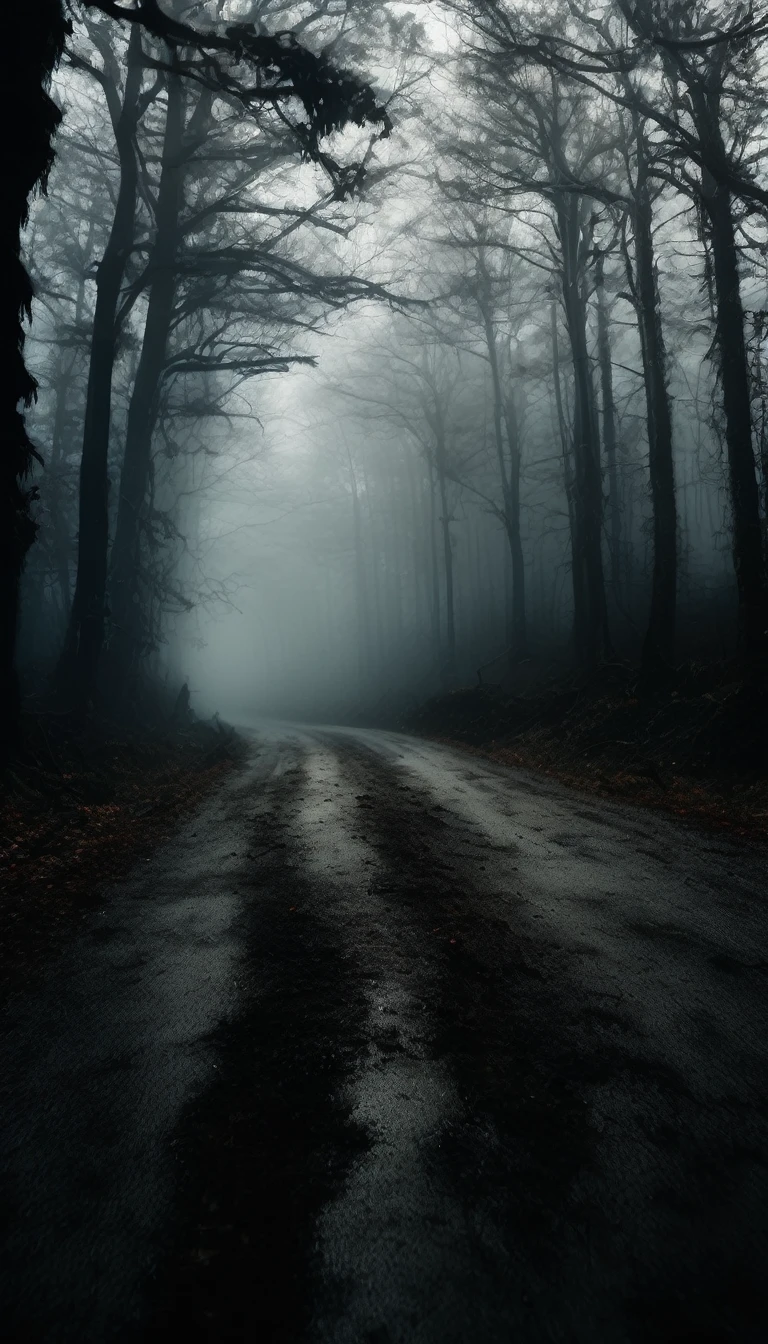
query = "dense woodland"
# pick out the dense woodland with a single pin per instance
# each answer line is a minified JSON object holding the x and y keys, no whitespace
{"x":376,"y":345}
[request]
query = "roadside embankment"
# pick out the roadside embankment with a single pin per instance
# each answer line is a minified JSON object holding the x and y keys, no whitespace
{"x":696,"y":747}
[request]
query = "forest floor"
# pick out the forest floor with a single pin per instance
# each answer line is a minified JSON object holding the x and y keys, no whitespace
{"x":79,"y":809}
{"x":697,"y":748}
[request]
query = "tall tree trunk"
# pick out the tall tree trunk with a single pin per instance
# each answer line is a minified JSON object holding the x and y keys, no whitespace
{"x":434,"y":606}
{"x":659,"y":644}
{"x":514,"y":534}
{"x":591,"y":624}
{"x":748,"y":547}
{"x":128,"y":636}
{"x":361,"y":593}
{"x":418,"y":547}
{"x":478,"y":614}
{"x":80,"y":657}
{"x":57,"y":522}
{"x":374,"y":590}
{"x":56,"y":508}
{"x":397,"y":553}
{"x":57,"y":504}
{"x":568,"y":476}
{"x":509,"y":473}
{"x":449,"y":658}
{"x":609,"y":423}
{"x":33,"y":39}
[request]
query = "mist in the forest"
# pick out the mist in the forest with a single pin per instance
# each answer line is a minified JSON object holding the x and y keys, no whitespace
{"x":446,"y":404}
{"x":327,"y":535}
{"x":384,"y":670}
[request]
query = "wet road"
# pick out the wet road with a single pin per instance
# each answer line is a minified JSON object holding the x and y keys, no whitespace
{"x":390,"y":1044}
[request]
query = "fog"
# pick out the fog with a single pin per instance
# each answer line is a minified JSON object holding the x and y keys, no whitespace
{"x":331,"y":420}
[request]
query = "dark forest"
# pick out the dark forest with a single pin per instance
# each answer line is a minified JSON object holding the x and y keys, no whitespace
{"x":384,"y":670}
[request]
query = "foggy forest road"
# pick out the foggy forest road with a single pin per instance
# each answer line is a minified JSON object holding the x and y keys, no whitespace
{"x":388,"y":1044}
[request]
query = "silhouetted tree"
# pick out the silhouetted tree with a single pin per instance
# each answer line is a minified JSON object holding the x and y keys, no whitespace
{"x":287,"y":72}
{"x":33,"y":40}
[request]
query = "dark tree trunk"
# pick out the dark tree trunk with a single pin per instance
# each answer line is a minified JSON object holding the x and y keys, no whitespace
{"x":748,"y":547}
{"x":509,"y":475}
{"x":129,"y":630}
{"x":514,"y":535}
{"x":659,"y":645}
{"x":568,"y":478}
{"x":85,"y":636}
{"x":56,"y":502}
{"x":374,"y":587}
{"x":33,"y":38}
{"x":609,"y":424}
{"x":434,"y":605}
{"x":361,"y":588}
{"x":397,"y":552}
{"x":591,"y":623}
{"x":449,"y":658}
{"x":419,"y":548}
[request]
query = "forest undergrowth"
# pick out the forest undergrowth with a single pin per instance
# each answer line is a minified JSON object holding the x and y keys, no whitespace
{"x":80,"y":808}
{"x":697,"y":748}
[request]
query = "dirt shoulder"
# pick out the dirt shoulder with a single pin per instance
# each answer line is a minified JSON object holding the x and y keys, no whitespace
{"x":697,"y":748}
{"x":79,"y":810}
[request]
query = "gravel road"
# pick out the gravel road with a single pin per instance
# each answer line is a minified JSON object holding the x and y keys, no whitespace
{"x":391,"y":1045}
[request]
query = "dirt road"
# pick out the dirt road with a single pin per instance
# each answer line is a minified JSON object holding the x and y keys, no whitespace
{"x":391,"y":1046}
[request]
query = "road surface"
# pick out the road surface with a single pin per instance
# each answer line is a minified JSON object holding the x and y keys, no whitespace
{"x":391,"y":1045}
